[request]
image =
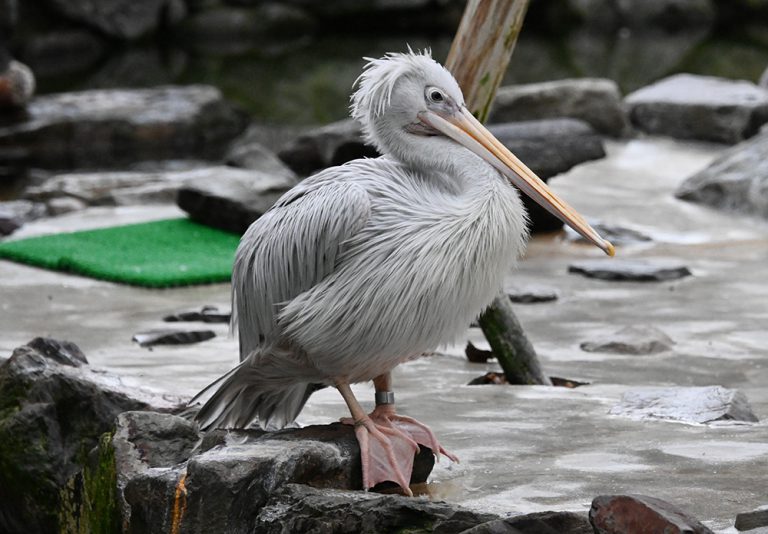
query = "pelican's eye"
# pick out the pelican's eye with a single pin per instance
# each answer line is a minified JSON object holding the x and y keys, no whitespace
{"x":435,"y":95}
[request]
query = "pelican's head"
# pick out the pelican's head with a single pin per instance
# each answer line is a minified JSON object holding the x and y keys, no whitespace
{"x":411,"y":106}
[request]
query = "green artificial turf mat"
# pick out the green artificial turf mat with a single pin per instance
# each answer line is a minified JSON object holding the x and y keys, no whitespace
{"x":165,"y":253}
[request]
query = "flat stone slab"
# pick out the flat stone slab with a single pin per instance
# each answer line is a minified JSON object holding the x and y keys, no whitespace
{"x":641,"y":514}
{"x":638,"y":340}
{"x":172,"y":337}
{"x":106,"y":128}
{"x":530,"y":294}
{"x":630,"y":270}
{"x":686,"y":404}
{"x":736,"y":181}
{"x":688,"y":106}
{"x":596,"y":101}
{"x":206,"y":314}
{"x":615,"y":233}
{"x":752,"y":520}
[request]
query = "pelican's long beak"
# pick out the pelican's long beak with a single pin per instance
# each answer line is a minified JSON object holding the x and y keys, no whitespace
{"x":466,"y":130}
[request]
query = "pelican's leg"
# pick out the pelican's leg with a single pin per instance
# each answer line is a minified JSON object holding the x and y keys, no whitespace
{"x":384,"y":415}
{"x":386,"y":453}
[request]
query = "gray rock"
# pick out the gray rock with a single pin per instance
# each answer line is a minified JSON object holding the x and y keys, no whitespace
{"x":700,"y":107}
{"x":686,"y":404}
{"x":530,"y":294}
{"x":537,"y":523}
{"x":299,"y":508}
{"x":230,"y":30}
{"x":165,"y":474}
{"x":14,"y":213}
{"x":234,"y":200}
{"x":672,"y":14}
{"x":332,"y":144}
{"x":625,"y":514}
{"x":60,"y":206}
{"x":207,"y":314}
{"x":752,"y":520}
{"x":638,"y":340}
{"x":630,"y":270}
{"x":595,"y":101}
{"x":248,"y":153}
{"x":736,"y":181}
{"x":17,"y":85}
{"x":108,"y":128}
{"x":549,"y":147}
{"x":53,"y":408}
{"x":172,"y":337}
{"x":124,"y":19}
{"x":616,"y":234}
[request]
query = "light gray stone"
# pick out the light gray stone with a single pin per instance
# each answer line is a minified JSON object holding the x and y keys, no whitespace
{"x":736,"y":181}
{"x":699,"y":107}
{"x":686,"y":404}
{"x":595,"y":101}
{"x":248,"y":153}
{"x":234,"y":200}
{"x":630,"y":270}
{"x":638,"y":340}
{"x":112,"y":127}
{"x":14,"y":213}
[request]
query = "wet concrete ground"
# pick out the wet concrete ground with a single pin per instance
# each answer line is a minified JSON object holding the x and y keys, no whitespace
{"x":523,"y":449}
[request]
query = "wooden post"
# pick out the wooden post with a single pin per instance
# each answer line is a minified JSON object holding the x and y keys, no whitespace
{"x":478,"y":60}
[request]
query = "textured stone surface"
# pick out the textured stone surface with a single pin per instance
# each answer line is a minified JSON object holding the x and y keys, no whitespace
{"x":248,"y":153}
{"x":636,"y":339}
{"x":206,"y":314}
{"x":640,"y":514}
{"x":530,"y":294}
{"x":549,"y":147}
{"x":630,"y":270}
{"x":686,"y":404}
{"x":14,"y":213}
{"x":752,"y":520}
{"x":332,"y":144}
{"x":111,"y":127}
{"x":537,"y":523}
{"x":172,"y":337}
{"x":53,"y":408}
{"x":136,"y":187}
{"x":223,"y":483}
{"x":736,"y":181}
{"x":700,"y":107}
{"x":124,"y":19}
{"x":299,"y":508}
{"x":595,"y":101}
{"x":234,"y":200}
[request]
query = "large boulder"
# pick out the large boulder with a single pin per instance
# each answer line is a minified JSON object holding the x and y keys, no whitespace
{"x":234,"y":199}
{"x":53,"y":409}
{"x":332,"y":144}
{"x":169,"y":477}
{"x":641,"y":514}
{"x":688,"y":106}
{"x":123,"y":19}
{"x":549,"y":147}
{"x":736,"y":181}
{"x":140,"y":187}
{"x":112,"y":127}
{"x":593,"y":100}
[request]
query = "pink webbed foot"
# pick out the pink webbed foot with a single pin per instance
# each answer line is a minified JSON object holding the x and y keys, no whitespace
{"x":385,"y":416}
{"x":386,"y":453}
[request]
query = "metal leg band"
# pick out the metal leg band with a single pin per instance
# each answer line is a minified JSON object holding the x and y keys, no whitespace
{"x":385,"y":397}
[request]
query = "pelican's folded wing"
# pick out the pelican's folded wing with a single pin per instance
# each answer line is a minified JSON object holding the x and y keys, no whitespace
{"x":289,"y":249}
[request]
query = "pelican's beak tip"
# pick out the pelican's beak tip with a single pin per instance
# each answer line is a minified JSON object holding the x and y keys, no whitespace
{"x":610,"y":249}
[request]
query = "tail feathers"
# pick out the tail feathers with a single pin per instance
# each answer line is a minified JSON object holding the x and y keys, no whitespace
{"x":255,"y":392}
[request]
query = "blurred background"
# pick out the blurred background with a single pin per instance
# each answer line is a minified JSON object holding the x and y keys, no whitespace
{"x":293,"y":62}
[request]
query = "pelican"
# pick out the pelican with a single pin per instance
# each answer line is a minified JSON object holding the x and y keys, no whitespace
{"x":366,"y":265}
